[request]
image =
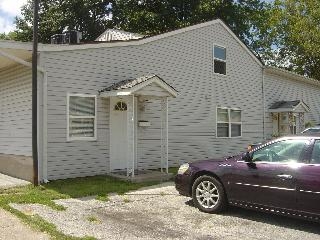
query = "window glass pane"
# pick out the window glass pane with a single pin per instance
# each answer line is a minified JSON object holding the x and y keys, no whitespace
{"x":81,"y":127}
{"x":284,"y":151}
{"x":316,"y":153}
{"x":223,"y":115}
{"x":235,"y":115}
{"x":223,"y":130}
{"x":121,"y":106}
{"x":219,"y":67}
{"x":81,"y":106}
{"x":220,"y":53}
{"x":235,"y":130}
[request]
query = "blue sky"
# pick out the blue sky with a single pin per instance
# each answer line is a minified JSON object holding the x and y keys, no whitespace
{"x":8,"y":10}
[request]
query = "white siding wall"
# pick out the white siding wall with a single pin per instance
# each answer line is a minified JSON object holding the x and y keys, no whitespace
{"x":15,"y":111}
{"x":280,"y":88}
{"x":185,"y":62}
{"x":149,"y":138}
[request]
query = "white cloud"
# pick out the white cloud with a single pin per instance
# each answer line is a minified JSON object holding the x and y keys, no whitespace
{"x":8,"y":10}
{"x":6,"y":25}
{"x":11,"y":7}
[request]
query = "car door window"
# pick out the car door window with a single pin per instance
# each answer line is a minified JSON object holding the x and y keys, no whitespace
{"x":283,"y":151}
{"x":315,"y":158}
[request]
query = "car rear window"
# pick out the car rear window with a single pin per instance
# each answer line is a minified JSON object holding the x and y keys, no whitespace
{"x":315,"y":158}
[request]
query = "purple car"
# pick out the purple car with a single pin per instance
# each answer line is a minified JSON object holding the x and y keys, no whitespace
{"x":280,"y":176}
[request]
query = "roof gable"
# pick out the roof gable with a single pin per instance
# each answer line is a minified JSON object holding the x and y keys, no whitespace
{"x":289,"y":106}
{"x":53,"y":47}
{"x":115,"y":34}
{"x":146,"y":85}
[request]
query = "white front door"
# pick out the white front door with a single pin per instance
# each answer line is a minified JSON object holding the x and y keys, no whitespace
{"x":118,"y":134}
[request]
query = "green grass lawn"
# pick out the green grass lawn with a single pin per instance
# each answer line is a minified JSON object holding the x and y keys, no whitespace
{"x":173,"y":170}
{"x":100,"y":186}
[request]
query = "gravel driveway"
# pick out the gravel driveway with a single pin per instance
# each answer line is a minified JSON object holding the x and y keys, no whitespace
{"x":160,"y":213}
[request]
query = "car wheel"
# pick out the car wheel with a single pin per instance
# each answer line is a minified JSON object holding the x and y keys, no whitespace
{"x":208,"y":194}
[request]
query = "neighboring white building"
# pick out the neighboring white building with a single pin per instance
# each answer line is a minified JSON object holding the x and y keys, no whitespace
{"x":117,"y":35}
{"x":194,"y":93}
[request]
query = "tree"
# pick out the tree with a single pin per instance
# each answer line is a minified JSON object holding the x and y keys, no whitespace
{"x":147,"y":17}
{"x":9,"y":36}
{"x":294,"y":31}
{"x":88,"y":16}
{"x":157,"y":16}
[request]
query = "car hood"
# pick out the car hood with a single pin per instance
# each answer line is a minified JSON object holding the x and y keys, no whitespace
{"x":217,"y":161}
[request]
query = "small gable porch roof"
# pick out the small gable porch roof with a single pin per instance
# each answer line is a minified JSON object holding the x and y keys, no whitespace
{"x":289,"y":106}
{"x":147,"y":85}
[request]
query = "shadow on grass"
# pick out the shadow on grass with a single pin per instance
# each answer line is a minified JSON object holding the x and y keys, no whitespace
{"x":269,"y":218}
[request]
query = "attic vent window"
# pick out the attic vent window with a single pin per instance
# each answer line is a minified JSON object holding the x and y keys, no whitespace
{"x":120,"y":106}
{"x":219,"y":60}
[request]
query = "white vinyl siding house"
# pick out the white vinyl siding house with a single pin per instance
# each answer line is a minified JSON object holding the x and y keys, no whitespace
{"x":194,"y":93}
{"x":185,"y":61}
{"x":15,"y":105}
{"x":283,"y":85}
{"x":15,"y":122}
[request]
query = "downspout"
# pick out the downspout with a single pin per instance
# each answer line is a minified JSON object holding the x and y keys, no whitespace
{"x":35,"y":94}
{"x":263,"y":104}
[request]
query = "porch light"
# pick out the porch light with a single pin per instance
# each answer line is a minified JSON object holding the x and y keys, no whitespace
{"x":143,"y":123}
{"x":123,"y":93}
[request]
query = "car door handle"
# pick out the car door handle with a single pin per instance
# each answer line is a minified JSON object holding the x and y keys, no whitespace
{"x":285,"y":176}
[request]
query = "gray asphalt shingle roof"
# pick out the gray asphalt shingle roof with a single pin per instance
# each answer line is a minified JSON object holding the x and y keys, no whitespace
{"x":130,"y":83}
{"x":285,"y":104}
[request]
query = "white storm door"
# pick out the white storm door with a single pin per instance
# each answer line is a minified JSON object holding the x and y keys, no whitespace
{"x":118,"y":134}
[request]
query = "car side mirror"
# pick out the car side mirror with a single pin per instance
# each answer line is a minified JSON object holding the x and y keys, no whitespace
{"x":247,"y":157}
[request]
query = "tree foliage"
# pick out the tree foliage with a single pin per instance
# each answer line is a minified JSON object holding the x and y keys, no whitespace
{"x":88,"y":16}
{"x":147,"y":17}
{"x":157,"y":16}
{"x":9,"y":36}
{"x":294,"y":32}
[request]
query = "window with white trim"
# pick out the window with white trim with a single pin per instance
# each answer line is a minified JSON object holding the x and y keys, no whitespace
{"x":82,"y":112}
{"x":219,"y":60}
{"x":229,"y":122}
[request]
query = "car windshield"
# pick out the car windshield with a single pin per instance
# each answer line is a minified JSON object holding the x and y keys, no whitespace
{"x":284,"y":151}
{"x":312,"y":130}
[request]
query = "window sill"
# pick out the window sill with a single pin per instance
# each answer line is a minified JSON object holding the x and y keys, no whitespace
{"x":220,"y":74}
{"x":84,"y":139}
{"x":229,"y":137}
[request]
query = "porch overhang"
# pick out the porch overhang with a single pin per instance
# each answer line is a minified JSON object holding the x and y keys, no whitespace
{"x":297,"y":106}
{"x":150,"y":85}
{"x":13,"y":53}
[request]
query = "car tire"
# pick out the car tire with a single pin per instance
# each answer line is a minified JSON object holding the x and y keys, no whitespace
{"x":208,"y":194}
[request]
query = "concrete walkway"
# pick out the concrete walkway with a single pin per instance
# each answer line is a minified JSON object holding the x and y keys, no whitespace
{"x":8,"y":182}
{"x":11,"y":228}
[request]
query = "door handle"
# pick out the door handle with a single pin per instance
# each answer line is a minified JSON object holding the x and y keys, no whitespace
{"x":285,"y":176}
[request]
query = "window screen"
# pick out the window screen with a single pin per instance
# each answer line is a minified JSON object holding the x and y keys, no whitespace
{"x":82,"y":114}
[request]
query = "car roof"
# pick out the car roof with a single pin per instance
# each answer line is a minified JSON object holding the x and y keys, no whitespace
{"x":302,"y":136}
{"x":315,"y":127}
